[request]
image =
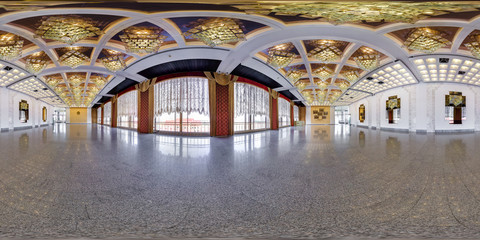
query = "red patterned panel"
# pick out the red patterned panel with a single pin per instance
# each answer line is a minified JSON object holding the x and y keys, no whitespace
{"x":222,"y":110}
{"x":292,"y":122}
{"x":275,"y":114}
{"x":143,"y":113}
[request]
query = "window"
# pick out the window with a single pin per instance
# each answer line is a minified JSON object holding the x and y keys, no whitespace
{"x":296,"y":113}
{"x":107,"y":113}
{"x":127,"y":110}
{"x":181,"y":105}
{"x":99,"y":115}
{"x":283,"y":112}
{"x":251,"y":108}
{"x":342,"y":115}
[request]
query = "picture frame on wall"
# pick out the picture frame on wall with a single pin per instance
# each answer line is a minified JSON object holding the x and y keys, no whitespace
{"x":23,"y":111}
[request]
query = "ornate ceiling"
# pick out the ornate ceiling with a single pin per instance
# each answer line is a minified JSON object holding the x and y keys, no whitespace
{"x":328,"y":53}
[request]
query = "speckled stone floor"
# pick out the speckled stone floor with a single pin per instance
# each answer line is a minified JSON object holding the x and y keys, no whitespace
{"x":79,"y":181}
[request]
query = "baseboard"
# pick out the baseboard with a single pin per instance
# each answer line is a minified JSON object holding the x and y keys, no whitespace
{"x":456,"y":131}
{"x":4,"y":129}
{"x":394,"y":130}
{"x":362,"y":126}
{"x":22,"y":128}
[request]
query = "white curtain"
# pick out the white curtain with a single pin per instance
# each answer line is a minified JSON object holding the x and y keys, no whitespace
{"x":107,"y":113}
{"x":99,"y":115}
{"x":250,"y":100}
{"x":188,"y":94}
{"x":127,"y":104}
{"x":284,"y":111}
{"x":296,"y":115}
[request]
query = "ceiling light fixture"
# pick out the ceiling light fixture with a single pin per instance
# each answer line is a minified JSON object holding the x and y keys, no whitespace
{"x":73,"y":58}
{"x":325,"y":51}
{"x":352,"y":76}
{"x":425,"y":40}
{"x":294,"y":74}
{"x":67,"y":29}
{"x":10,"y":46}
{"x":323,"y":73}
{"x":142,"y":39}
{"x":280,"y":56}
{"x":369,"y":59}
{"x":216,"y":31}
{"x":474,"y":46}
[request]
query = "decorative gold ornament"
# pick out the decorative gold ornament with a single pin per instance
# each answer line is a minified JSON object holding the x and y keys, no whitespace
{"x":10,"y":46}
{"x":142,"y":39}
{"x":67,"y":29}
{"x":323,"y":73}
{"x":280,"y":56}
{"x":294,"y":75}
{"x":369,"y":60}
{"x":351,"y":76}
{"x":425,"y":40}
{"x":325,"y":51}
{"x":474,"y":46}
{"x":361,"y":11}
{"x":73,"y":58}
{"x":216,"y":31}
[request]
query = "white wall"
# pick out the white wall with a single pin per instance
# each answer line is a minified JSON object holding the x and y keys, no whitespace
{"x":9,"y":113}
{"x":422,"y":108}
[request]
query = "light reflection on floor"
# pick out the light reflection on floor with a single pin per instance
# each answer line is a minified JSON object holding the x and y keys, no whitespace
{"x":298,"y":182}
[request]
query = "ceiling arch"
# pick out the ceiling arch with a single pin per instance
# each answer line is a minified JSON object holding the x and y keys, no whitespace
{"x":236,"y":57}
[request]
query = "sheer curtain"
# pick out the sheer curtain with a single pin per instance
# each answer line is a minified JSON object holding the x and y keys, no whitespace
{"x":251,"y":107}
{"x":181,"y":104}
{"x":127,"y":110}
{"x":283,"y":112}
{"x":296,"y":114}
{"x":99,"y":115}
{"x":107,"y":113}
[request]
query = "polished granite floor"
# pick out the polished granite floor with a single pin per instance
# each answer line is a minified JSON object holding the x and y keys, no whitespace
{"x":74,"y":181}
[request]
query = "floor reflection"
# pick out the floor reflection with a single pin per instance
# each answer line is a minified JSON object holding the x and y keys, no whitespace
{"x":350,"y":181}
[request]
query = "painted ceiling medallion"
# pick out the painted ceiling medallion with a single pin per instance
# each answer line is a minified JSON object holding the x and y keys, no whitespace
{"x":361,"y":11}
{"x":368,"y":60}
{"x":323,"y":72}
{"x":325,"y":51}
{"x":10,"y":46}
{"x":142,"y":39}
{"x":280,"y":56}
{"x":67,"y":29}
{"x":425,"y":40}
{"x":474,"y":46}
{"x":73,"y":58}
{"x":216,"y":31}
